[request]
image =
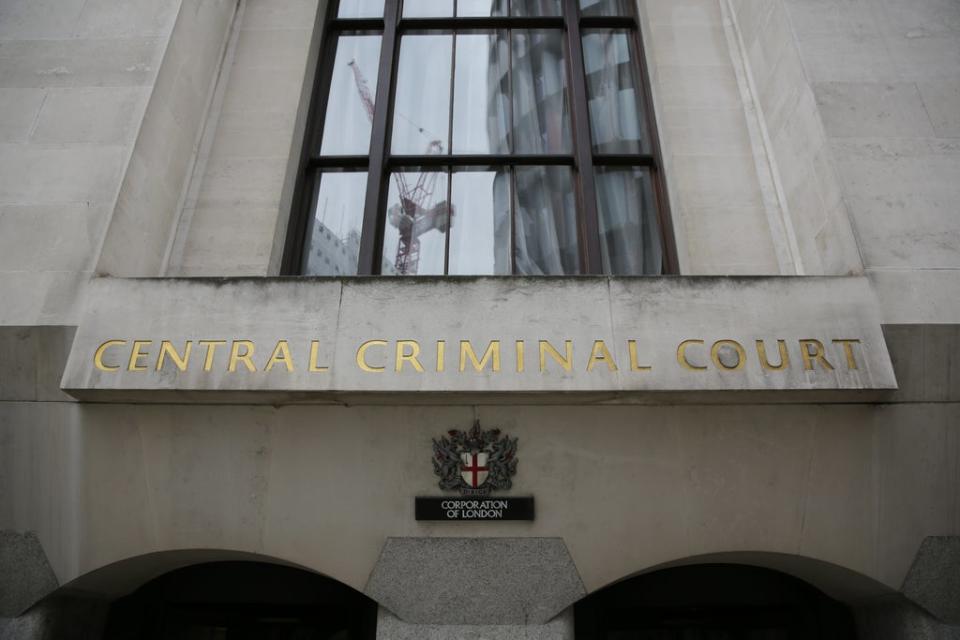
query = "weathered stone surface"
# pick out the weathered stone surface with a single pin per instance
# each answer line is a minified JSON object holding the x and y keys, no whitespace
{"x":475,"y":581}
{"x":33,"y":360}
{"x":934,"y":579}
{"x":895,"y":618}
{"x":25,"y":574}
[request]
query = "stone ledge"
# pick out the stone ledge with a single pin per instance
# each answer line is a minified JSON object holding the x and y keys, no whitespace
{"x":594,"y":338}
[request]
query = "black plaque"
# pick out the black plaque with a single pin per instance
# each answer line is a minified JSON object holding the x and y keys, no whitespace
{"x":473,"y":509}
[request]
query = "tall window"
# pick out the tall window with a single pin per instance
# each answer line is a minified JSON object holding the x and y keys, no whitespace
{"x":481,"y":137}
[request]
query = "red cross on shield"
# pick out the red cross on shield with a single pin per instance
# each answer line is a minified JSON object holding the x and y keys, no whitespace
{"x":473,"y":468}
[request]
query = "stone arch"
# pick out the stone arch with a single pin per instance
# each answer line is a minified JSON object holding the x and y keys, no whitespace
{"x":241,"y":584}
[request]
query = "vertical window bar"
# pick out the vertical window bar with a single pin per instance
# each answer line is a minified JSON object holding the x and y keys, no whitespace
{"x":579,"y":107}
{"x":303,"y":205}
{"x":450,"y":211}
{"x":370,"y":240}
{"x":511,"y":146}
{"x":512,"y":172}
{"x":511,"y":142}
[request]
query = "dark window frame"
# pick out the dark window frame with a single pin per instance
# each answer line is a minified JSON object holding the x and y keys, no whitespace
{"x":379,"y":163}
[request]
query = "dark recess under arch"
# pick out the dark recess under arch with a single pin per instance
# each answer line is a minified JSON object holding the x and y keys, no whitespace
{"x":712,"y":602}
{"x":241,"y":600}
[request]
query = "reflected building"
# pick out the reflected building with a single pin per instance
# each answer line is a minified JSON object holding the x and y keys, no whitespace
{"x":331,"y":253}
{"x":528,"y":113}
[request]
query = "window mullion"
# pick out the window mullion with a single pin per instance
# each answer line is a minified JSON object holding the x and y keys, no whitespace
{"x":370,"y":239}
{"x":450,"y":211}
{"x":579,"y":107}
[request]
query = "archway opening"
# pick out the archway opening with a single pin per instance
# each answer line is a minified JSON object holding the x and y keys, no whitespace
{"x":712,"y":602}
{"x":240,"y":601}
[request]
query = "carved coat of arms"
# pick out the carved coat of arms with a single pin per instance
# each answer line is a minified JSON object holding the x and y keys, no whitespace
{"x":475,"y":462}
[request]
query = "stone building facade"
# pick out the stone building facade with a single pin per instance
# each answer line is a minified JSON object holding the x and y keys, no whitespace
{"x":773,"y":428}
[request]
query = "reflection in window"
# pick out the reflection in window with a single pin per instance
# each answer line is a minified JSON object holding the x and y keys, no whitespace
{"x":546,"y":224}
{"x":428,"y":8}
{"x":541,"y":109}
{"x":481,"y":94}
{"x":360,"y":9}
{"x":480,"y":8}
{"x":616,"y":112}
{"x":422,"y":99}
{"x":629,"y":232}
{"x":418,"y":216}
{"x":346,"y":129}
{"x":480,"y":230}
{"x":333,"y":230}
{"x":496,"y":154}
{"x":607,"y":7}
{"x":534,"y":8}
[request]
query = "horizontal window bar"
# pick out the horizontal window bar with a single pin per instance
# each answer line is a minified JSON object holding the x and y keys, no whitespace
{"x":359,"y":162}
{"x":356,"y":24}
{"x":608,"y":22}
{"x":621,"y":160}
{"x":496,"y":22}
{"x":481,"y":160}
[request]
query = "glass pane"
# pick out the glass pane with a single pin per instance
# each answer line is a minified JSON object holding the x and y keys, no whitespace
{"x":346,"y":129}
{"x":546,"y":224}
{"x":421,"y":111}
{"x":333,"y":233}
{"x":629,"y":231}
{"x":528,"y":8}
{"x":481,"y":103}
{"x":481,"y":8}
{"x":614,"y":92}
{"x":418,"y":215}
{"x":360,"y":9}
{"x":541,"y":110}
{"x":480,"y":231}
{"x":608,"y":7}
{"x":427,"y":8}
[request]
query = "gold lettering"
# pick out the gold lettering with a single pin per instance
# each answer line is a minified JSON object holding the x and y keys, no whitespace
{"x":848,"y":352}
{"x":211,"y":346}
{"x":520,"y":356}
{"x":314,"y":358}
{"x":236,"y":356}
{"x":736,"y":346}
{"x":601,"y":353}
{"x":167,"y":349}
{"x":136,"y":354}
{"x":281,"y":354}
{"x":403,"y":356}
{"x":765,"y":362}
{"x":634,"y":361}
{"x":441,"y":352}
{"x":362,"y":356}
{"x":817,"y":354}
{"x":492,"y":353}
{"x":548,"y":349}
{"x":98,"y":355}
{"x":682,"y":356}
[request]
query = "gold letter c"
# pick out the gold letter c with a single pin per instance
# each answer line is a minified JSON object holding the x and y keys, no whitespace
{"x":362,"y":355}
{"x":98,"y":356}
{"x":682,"y":355}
